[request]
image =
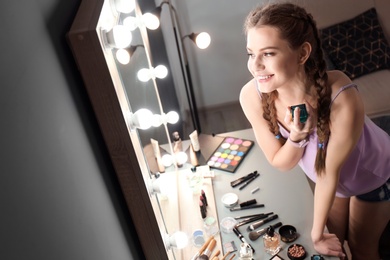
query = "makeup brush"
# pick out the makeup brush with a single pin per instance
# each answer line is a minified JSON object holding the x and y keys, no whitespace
{"x":202,"y":248}
{"x":261,"y":222}
{"x":253,"y":235}
{"x":207,"y":252}
{"x":226,"y":255}
{"x":215,"y":255}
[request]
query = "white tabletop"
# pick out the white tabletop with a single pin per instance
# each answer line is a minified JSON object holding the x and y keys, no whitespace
{"x":287,"y":194}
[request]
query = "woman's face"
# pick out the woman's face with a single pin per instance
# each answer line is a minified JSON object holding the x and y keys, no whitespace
{"x":271,"y":61}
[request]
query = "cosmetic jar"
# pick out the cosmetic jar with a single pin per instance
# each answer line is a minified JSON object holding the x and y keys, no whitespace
{"x":227,"y":224}
{"x":229,"y":200}
{"x":296,"y":252}
{"x":210,"y":226}
{"x":288,"y":233}
{"x":198,"y":238}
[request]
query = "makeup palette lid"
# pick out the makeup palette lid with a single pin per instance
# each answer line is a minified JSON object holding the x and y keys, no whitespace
{"x":229,"y":200}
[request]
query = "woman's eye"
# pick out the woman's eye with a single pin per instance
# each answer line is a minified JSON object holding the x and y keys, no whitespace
{"x":268,"y":54}
{"x":251,"y":55}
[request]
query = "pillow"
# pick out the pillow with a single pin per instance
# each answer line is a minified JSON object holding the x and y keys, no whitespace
{"x":357,"y":46}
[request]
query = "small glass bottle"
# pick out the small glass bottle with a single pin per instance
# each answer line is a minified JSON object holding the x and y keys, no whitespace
{"x":271,"y":241}
{"x":177,"y":147}
{"x":246,"y":252}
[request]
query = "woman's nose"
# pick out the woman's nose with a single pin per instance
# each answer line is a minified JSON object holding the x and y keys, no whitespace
{"x":258,"y":64}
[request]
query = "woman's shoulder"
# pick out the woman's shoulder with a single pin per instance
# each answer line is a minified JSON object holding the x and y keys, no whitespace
{"x":249,"y":89}
{"x":337,"y":79}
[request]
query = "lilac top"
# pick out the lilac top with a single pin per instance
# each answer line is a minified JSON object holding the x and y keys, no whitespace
{"x":368,"y":165}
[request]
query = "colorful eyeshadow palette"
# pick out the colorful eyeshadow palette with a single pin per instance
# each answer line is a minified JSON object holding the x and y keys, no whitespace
{"x":229,"y":154}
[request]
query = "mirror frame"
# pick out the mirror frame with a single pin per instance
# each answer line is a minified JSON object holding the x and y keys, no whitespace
{"x":84,"y":41}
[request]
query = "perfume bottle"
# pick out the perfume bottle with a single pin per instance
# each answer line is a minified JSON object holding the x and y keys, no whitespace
{"x":271,"y":241}
{"x":246,"y":252}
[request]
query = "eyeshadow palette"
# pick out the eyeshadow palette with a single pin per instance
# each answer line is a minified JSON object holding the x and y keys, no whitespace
{"x":229,"y":154}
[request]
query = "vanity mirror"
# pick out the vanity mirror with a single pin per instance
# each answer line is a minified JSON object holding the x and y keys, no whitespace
{"x":119,"y":95}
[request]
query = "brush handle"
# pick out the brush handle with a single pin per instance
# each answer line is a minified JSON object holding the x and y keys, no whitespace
{"x":202,"y":248}
{"x":254,"y":235}
{"x":207,"y":252}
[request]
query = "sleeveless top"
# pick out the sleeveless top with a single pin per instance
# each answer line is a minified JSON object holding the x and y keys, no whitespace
{"x":366,"y":168}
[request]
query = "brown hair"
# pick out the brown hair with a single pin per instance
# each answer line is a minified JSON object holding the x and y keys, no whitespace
{"x":296,"y":26}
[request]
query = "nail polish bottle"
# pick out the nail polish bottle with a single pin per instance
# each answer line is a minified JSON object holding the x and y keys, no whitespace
{"x":271,"y":241}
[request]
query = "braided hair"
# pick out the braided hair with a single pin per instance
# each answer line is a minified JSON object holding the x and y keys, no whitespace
{"x":296,"y":26}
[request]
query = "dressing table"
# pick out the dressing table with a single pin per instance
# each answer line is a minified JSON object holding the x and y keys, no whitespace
{"x":287,"y":194}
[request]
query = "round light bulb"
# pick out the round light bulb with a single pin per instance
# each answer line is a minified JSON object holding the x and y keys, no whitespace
{"x":181,"y":157}
{"x":203,"y":40}
{"x":161,"y":71}
{"x":125,"y":6}
{"x":142,"y":118}
{"x":167,"y":160}
{"x":119,"y":36}
{"x":157,"y":120}
{"x":130,"y":22}
{"x":179,"y":240}
{"x":172,"y":117}
{"x":151,"y":21}
{"x":122,"y":56}
{"x":144,"y":75}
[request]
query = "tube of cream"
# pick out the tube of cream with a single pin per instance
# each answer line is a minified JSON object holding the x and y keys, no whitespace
{"x":195,"y":141}
{"x":157,"y":155}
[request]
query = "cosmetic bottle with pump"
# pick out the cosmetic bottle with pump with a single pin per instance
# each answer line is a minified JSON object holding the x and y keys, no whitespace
{"x":177,"y":146}
{"x":271,"y":241}
{"x":246,"y":252}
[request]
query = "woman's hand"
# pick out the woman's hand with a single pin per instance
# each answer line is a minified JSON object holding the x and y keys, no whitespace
{"x":330,"y":245}
{"x":298,"y":130}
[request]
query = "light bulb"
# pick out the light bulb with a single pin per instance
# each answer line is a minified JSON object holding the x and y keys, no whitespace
{"x":125,"y":6}
{"x":159,"y":185}
{"x":118,"y":37}
{"x":161,"y":71}
{"x":131,"y":22}
{"x":181,"y":157}
{"x":144,"y":75}
{"x":167,"y":160}
{"x":179,"y":240}
{"x":122,"y":56}
{"x":151,"y":21}
{"x":172,"y":117}
{"x":157,"y":120}
{"x":141,"y":119}
{"x":203,"y":40}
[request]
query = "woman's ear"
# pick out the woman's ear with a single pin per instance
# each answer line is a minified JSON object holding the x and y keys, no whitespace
{"x":305,"y":52}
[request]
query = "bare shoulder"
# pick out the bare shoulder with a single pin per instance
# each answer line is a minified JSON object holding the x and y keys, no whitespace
{"x":337,"y":79}
{"x":249,"y":93}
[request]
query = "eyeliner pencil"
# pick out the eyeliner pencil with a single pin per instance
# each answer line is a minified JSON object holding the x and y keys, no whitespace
{"x":249,"y":181}
{"x":247,"y":207}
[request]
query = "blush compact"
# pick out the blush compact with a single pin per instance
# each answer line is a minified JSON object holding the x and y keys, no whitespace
{"x":288,"y":233}
{"x":296,"y":252}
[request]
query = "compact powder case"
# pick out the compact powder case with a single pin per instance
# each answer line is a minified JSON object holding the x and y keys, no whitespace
{"x":288,"y":233}
{"x":229,"y":200}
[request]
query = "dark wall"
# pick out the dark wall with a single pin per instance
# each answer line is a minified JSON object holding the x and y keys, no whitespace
{"x":58,"y":193}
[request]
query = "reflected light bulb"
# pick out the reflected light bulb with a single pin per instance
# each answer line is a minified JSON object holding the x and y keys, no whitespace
{"x":142,"y":119}
{"x":119,"y":37}
{"x":203,"y":40}
{"x":125,"y":6}
{"x":172,"y":117}
{"x":167,"y":160}
{"x":122,"y":56}
{"x":131,"y":22}
{"x":161,"y":71}
{"x":181,"y":157}
{"x":159,"y":185}
{"x":157,"y":120}
{"x":144,"y":75}
{"x":151,"y":21}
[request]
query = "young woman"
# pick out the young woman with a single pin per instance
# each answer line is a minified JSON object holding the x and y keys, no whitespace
{"x":338,"y":147}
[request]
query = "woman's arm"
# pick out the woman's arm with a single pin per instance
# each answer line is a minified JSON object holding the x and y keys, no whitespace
{"x":346,"y":125}
{"x":283,"y":157}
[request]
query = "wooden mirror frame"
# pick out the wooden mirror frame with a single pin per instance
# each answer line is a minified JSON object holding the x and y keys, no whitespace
{"x":84,"y":41}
